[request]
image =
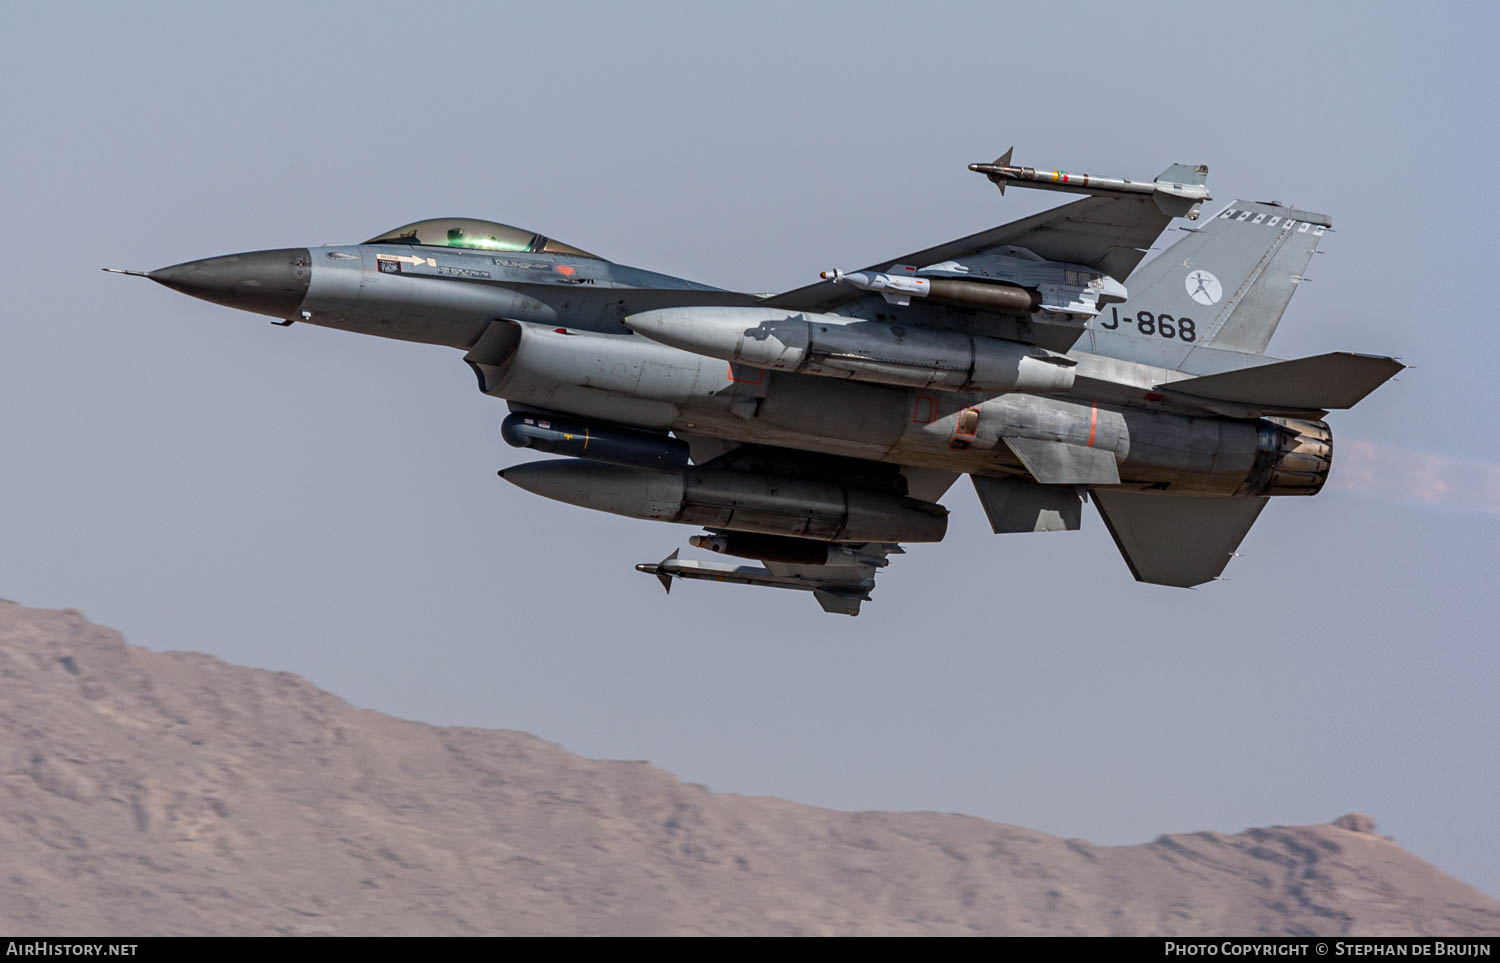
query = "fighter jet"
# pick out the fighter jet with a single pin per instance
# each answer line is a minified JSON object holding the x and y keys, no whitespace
{"x":815,"y":431}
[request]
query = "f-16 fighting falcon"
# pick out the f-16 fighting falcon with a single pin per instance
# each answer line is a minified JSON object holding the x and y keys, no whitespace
{"x":815,"y":431}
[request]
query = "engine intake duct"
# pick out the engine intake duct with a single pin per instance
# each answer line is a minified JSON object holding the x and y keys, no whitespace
{"x":1293,"y":457}
{"x":594,"y":441}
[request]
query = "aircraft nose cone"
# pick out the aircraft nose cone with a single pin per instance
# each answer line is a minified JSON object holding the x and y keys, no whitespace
{"x":266,"y":282}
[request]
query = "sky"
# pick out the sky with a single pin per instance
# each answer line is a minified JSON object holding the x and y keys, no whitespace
{"x":313,"y":501}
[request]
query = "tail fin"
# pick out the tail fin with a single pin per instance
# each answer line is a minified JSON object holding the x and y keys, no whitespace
{"x":1223,"y":286}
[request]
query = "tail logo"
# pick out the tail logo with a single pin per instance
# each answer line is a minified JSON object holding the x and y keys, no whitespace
{"x":1203,"y":287}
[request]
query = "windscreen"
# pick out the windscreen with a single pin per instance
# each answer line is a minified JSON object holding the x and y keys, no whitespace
{"x":467,"y":232}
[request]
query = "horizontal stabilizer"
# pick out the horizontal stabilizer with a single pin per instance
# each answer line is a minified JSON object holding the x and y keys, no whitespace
{"x":1058,"y":463}
{"x":1323,"y":382}
{"x":1018,"y":505}
{"x":1177,"y":540}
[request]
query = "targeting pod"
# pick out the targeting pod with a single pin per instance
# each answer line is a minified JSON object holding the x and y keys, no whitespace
{"x":596,"y":442}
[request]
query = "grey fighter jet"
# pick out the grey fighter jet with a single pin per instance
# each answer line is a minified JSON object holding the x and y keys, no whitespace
{"x":815,"y":431}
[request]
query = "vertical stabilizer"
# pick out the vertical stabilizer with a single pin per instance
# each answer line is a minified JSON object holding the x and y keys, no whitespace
{"x":1223,"y":286}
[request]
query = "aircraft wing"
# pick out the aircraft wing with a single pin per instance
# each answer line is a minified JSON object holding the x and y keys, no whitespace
{"x":1110,"y":233}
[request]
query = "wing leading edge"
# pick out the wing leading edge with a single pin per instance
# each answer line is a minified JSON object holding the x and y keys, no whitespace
{"x":1111,"y":231}
{"x":1111,"y":234}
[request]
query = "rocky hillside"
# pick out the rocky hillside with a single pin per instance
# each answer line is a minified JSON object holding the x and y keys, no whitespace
{"x":170,"y":793}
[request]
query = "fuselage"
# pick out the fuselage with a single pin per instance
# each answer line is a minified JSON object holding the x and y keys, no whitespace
{"x":544,"y":330}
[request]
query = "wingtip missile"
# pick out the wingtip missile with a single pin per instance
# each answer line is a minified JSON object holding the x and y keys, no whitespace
{"x":1179,"y":194}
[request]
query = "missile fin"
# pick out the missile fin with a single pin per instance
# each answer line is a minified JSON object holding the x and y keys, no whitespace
{"x":1002,"y":161}
{"x":663,"y":576}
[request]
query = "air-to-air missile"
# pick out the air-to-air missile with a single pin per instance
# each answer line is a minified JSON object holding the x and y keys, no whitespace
{"x":1181,"y":197}
{"x":736,"y":500}
{"x":857,"y":587}
{"x":838,"y":347}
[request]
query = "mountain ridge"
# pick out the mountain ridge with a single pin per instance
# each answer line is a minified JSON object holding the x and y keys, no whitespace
{"x":147,"y":793}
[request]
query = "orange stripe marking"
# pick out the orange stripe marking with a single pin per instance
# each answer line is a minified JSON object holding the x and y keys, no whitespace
{"x":1093,"y":423}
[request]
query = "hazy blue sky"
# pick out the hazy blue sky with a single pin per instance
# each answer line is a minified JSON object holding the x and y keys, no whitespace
{"x":313,"y":501}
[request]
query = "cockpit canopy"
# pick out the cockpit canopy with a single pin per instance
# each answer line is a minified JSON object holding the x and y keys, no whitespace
{"x":467,"y":232}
